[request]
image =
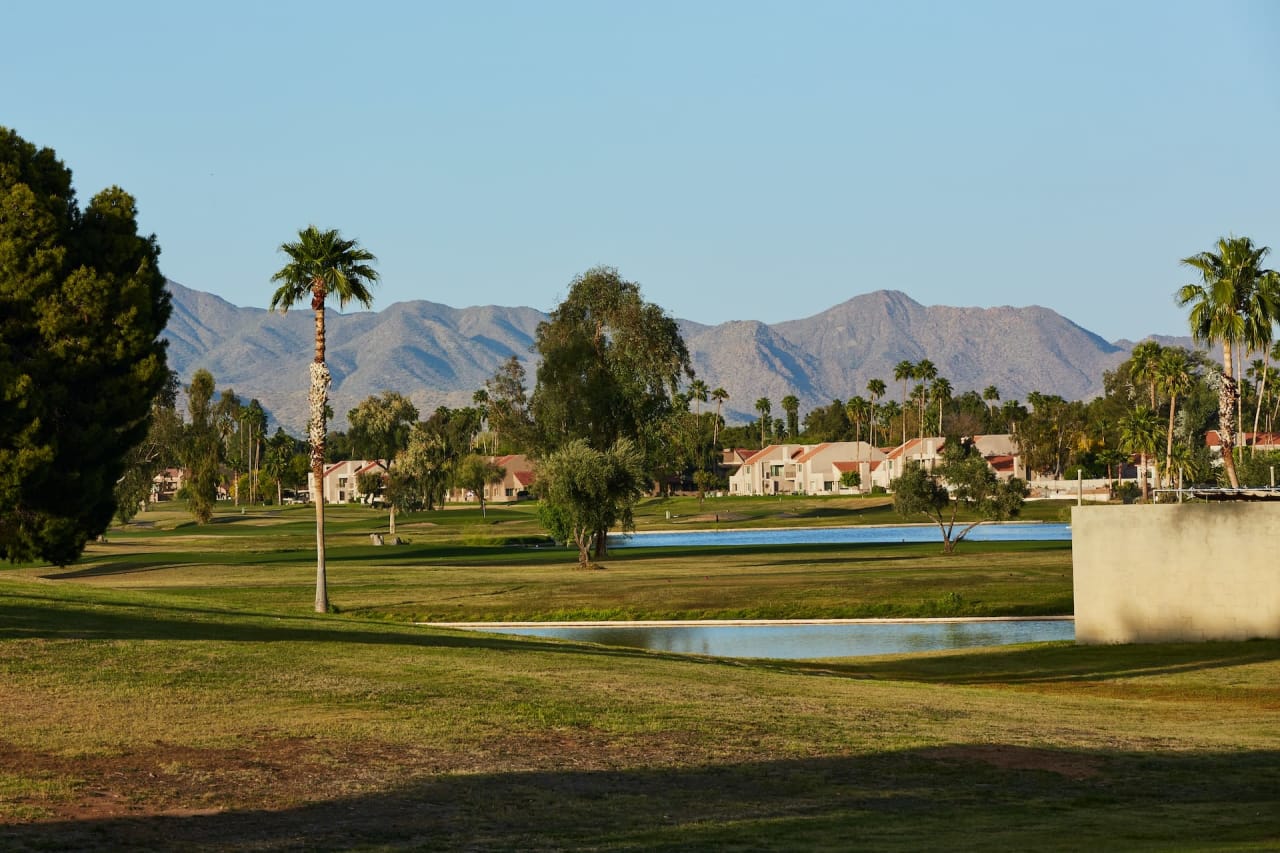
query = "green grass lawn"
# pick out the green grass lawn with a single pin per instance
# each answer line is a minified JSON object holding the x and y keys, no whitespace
{"x":173,"y":692}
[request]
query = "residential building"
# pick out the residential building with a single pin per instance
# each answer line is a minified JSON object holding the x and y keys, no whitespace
{"x":822,"y":466}
{"x":341,"y":480}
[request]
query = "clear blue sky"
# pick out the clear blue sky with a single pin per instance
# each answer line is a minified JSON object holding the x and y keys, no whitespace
{"x":739,"y":160}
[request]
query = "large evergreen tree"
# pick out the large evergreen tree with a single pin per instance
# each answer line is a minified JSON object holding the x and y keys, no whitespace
{"x":82,"y":305}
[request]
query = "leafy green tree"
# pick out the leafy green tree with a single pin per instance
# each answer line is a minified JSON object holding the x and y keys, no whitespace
{"x":162,"y":448}
{"x":508,"y":407}
{"x":380,"y":428}
{"x":611,"y":365}
{"x":1050,"y":433}
{"x":586,"y":492}
{"x":278,"y":461}
{"x":203,"y":448}
{"x":1235,"y":304}
{"x":974,"y":488}
{"x":422,"y":474}
{"x":475,"y":473}
{"x":82,"y":306}
{"x":322,"y":264}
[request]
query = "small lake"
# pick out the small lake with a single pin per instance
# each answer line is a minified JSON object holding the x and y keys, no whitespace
{"x":843,"y":535}
{"x":793,"y":641}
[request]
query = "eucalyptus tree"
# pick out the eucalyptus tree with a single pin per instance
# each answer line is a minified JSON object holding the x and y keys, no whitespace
{"x":611,"y":366}
{"x":202,"y":448}
{"x":322,"y":264}
{"x":380,"y":428}
{"x":585,"y":492}
{"x":1234,"y":304}
{"x":162,"y":448}
{"x":509,"y":415}
{"x":973,"y":486}
{"x":903,"y":372}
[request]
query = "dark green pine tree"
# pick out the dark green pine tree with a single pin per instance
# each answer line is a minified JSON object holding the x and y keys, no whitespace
{"x":82,"y":305}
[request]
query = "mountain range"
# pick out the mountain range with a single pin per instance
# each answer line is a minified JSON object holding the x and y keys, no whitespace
{"x":437,"y":355}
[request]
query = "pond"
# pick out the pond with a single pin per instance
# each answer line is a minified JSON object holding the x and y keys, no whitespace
{"x":1025,"y":531}
{"x":797,"y":640}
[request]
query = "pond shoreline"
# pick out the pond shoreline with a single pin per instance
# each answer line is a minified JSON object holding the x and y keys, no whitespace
{"x":738,"y":623}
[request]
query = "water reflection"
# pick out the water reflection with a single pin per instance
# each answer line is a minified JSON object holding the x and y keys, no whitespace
{"x":842,"y":535}
{"x":796,"y":641}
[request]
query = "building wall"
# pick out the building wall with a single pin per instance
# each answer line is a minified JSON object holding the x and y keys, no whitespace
{"x":1177,"y":572}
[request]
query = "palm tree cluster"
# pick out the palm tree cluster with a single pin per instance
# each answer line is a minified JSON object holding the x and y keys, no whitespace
{"x":1236,"y":304}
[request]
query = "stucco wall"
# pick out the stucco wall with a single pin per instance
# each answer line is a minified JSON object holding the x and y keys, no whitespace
{"x":1177,"y":572}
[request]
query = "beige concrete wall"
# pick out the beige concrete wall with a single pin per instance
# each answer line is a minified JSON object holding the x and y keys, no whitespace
{"x":1176,"y":572}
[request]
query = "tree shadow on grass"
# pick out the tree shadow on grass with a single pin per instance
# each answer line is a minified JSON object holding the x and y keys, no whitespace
{"x":960,"y":797}
{"x":24,"y":616}
{"x":1049,"y":662}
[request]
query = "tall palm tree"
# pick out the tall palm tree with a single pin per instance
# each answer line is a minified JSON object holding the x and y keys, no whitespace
{"x":992,"y":395}
{"x":1174,"y":376}
{"x":902,"y":371}
{"x":925,"y":373}
{"x":1144,"y":364}
{"x":699,"y":393}
{"x":1234,"y":304}
{"x":875,"y":390}
{"x":719,"y":395}
{"x":322,"y":264}
{"x":941,"y":393}
{"x":764,"y":407}
{"x":1140,"y":433}
{"x":791,"y":405}
{"x":857,"y":408}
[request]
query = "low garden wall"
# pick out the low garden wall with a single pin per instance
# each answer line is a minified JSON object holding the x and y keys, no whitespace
{"x":1176,"y":572}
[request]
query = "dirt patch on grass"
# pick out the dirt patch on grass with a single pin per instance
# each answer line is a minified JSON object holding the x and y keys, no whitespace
{"x":270,"y":773}
{"x":1070,"y":765}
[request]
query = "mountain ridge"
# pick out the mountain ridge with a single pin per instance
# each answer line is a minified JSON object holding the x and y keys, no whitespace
{"x":439,"y":355}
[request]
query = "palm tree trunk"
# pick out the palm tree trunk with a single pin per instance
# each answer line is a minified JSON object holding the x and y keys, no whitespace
{"x":1227,"y":416}
{"x":1168,"y":453}
{"x":317,"y":400}
{"x":1257,"y":412}
{"x":1143,"y":475}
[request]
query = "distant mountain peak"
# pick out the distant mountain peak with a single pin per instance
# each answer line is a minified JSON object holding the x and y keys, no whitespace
{"x":439,"y":355}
